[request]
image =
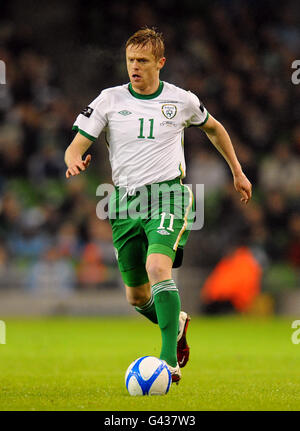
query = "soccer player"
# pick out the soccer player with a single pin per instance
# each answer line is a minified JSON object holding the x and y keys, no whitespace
{"x":144,"y":123}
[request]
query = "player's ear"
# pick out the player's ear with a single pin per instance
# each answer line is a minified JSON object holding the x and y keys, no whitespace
{"x":161,"y":63}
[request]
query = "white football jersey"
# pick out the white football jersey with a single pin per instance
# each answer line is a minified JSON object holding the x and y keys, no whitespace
{"x":144,"y":133}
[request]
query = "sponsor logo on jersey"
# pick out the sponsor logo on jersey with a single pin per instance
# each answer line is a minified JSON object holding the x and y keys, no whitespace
{"x":124,"y":112}
{"x":169,"y":111}
{"x":168,"y":123}
{"x":87,"y":112}
{"x":163,"y":232}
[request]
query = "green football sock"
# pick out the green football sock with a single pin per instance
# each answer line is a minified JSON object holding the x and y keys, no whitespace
{"x":167,"y":304}
{"x":148,"y":310}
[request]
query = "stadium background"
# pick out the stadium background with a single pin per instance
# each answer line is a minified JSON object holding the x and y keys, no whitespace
{"x":56,"y":257}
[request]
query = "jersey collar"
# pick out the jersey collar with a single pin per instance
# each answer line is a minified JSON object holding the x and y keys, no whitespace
{"x":146,"y":96}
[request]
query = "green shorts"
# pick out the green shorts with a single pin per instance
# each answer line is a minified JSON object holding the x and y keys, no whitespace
{"x":156,"y":219}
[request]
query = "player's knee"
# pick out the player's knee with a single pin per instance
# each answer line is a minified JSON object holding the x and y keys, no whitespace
{"x":136,"y":299}
{"x":135,"y":302}
{"x":159,"y":267}
{"x":156,"y":271}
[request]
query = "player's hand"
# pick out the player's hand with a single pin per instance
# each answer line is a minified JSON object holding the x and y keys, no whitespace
{"x":243,"y":186}
{"x":78,"y":166}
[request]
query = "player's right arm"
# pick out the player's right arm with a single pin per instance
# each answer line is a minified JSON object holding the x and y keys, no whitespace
{"x":74,"y":153}
{"x":88,"y":124}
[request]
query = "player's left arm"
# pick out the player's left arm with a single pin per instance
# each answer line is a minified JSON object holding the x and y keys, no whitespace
{"x":219,"y":137}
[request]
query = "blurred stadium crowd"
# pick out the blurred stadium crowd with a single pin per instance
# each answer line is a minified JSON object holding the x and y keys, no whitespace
{"x":236,"y":56}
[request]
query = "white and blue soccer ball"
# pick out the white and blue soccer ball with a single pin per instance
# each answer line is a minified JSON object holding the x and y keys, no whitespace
{"x":148,"y":375}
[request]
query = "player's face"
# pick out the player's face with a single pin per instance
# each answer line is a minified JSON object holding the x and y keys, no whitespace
{"x":143,"y":68}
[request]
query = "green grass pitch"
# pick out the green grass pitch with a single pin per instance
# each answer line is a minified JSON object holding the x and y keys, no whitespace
{"x":69,"y":363}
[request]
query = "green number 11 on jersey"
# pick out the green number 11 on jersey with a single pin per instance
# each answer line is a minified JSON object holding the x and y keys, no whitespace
{"x":141,"y":135}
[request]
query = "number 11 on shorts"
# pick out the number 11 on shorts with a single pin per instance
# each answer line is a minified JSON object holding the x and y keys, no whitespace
{"x":163,"y":216}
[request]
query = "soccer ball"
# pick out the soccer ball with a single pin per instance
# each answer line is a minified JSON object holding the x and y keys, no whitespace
{"x":148,"y":375}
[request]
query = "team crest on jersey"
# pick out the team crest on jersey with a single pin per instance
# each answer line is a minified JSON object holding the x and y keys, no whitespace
{"x":169,"y":111}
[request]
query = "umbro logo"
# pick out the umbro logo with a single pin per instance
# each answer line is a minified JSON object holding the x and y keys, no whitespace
{"x":163,"y":232}
{"x":124,"y":112}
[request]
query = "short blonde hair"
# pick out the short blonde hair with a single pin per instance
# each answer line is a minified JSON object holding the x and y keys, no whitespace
{"x":148,"y":35}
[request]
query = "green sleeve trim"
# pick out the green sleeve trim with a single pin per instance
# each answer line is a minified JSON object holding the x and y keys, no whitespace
{"x":83,"y":133}
{"x":200,"y":124}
